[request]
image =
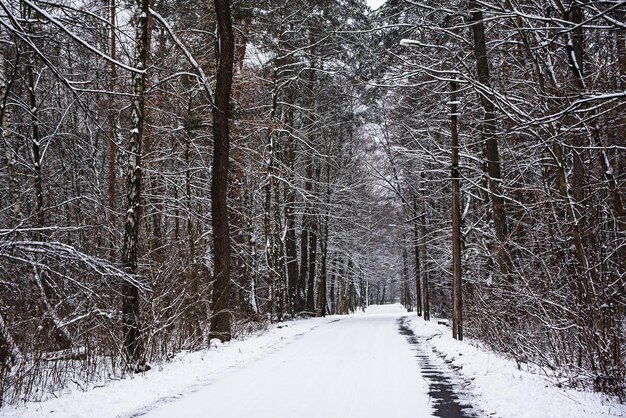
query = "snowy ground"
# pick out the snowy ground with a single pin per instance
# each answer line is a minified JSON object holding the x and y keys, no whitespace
{"x":499,"y":389}
{"x":184,"y":374}
{"x":354,"y":366}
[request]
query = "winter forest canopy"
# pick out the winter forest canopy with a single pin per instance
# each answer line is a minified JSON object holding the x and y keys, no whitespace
{"x":359,"y":156}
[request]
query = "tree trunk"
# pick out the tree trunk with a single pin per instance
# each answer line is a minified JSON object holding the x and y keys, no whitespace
{"x":418,"y":266}
{"x":112,"y":154}
{"x":6,"y":138}
{"x":239,"y":224}
{"x":322,"y":296}
{"x":309,"y":226}
{"x":291,"y":252}
{"x":321,"y":288}
{"x":35,"y":144}
{"x":304,"y":265}
{"x":267,"y":225}
{"x":618,"y":205}
{"x":332,"y":308}
{"x":492,"y":155}
{"x":133,"y":345}
{"x":278,"y":253}
{"x":406,"y":290}
{"x":193,"y":303}
{"x":423,"y":249}
{"x":310,"y":293}
{"x":457,"y":296}
{"x":221,"y":298}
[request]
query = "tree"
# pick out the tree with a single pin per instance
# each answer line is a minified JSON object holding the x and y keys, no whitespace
{"x":492,"y":155}
{"x":221,"y":315}
{"x":457,"y":291}
{"x":133,"y":344}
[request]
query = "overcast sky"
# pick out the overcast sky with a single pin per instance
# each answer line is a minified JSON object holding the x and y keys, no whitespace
{"x":375,"y":4}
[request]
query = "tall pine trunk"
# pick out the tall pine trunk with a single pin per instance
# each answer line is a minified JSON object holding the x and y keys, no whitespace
{"x":221,"y":298}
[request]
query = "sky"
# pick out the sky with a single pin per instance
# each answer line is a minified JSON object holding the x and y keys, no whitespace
{"x":375,"y":4}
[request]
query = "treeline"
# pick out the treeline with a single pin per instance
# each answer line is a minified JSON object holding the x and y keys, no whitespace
{"x":109,"y":115}
{"x":535,"y":94}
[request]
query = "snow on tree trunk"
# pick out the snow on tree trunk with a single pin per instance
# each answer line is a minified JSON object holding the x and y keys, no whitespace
{"x":133,"y":344}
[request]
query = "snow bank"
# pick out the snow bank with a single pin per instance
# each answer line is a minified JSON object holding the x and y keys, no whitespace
{"x":504,"y":391}
{"x":182,"y":375}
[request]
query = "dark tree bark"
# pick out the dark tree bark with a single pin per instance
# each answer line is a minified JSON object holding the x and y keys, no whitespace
{"x":238,"y":196}
{"x":291,"y":252}
{"x":112,"y":154}
{"x":492,"y":154}
{"x":322,"y":296}
{"x":332,"y":305}
{"x":575,"y":53}
{"x":271,"y":221}
{"x":406,"y":288}
{"x":617,"y":198}
{"x":310,"y":293}
{"x":423,"y":251}
{"x":457,"y":296}
{"x":321,"y":288}
{"x":221,"y":298}
{"x":35,"y":144}
{"x":309,"y":221}
{"x":133,"y":345}
{"x":418,"y":266}
{"x":304,"y":265}
{"x":193,"y":302}
{"x":279,"y":251}
{"x":6,"y":138}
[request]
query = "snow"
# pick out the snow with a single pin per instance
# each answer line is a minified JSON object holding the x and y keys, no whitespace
{"x":340,"y":366}
{"x":408,"y":42}
{"x":375,"y":4}
{"x":354,"y":367}
{"x":500,"y":388}
{"x":183,"y":374}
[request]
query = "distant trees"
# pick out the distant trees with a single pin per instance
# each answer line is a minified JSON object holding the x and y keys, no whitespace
{"x":309,"y":117}
{"x":116,"y":274}
{"x":539,"y":238}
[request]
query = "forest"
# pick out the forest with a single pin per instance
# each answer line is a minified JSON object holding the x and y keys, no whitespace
{"x":178,"y":171}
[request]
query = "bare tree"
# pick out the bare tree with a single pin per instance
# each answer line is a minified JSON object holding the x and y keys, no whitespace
{"x":221,"y":306}
{"x":131,"y":303}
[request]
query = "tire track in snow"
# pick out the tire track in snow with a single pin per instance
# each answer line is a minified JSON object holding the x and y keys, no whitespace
{"x":449,"y":400}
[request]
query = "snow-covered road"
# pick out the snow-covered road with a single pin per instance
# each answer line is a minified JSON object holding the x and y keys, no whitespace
{"x":365,"y":365}
{"x":359,"y":366}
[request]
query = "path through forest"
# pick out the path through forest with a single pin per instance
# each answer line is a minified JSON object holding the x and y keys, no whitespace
{"x":360,"y":366}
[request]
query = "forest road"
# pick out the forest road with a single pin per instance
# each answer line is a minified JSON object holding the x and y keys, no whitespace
{"x":360,"y":366}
